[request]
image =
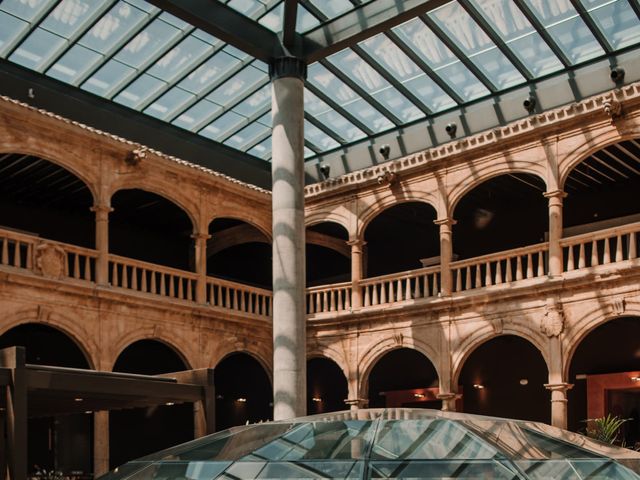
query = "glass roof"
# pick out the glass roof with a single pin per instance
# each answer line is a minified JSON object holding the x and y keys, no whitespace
{"x":132,"y":53}
{"x":394,"y":443}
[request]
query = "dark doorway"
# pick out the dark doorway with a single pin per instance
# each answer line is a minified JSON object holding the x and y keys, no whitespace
{"x":326,"y":386}
{"x":505,"y":377}
{"x":328,"y":255}
{"x":137,"y":432}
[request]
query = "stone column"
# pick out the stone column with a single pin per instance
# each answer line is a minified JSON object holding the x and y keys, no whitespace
{"x":100,"y":443}
{"x":102,"y":242}
{"x":555,"y":231}
{"x":557,"y":385}
{"x":289,"y":329}
{"x":200,"y":245}
{"x":448,"y":401}
{"x":446,"y":252}
{"x":356,"y":271}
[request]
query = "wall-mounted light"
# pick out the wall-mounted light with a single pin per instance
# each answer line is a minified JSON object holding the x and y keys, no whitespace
{"x":241,"y":400}
{"x":451,"y":129}
{"x":88,"y":412}
{"x":316,"y":399}
{"x":418,"y":395}
{"x":635,"y":379}
{"x":78,"y":399}
{"x":168,"y":404}
{"x":524,"y":381}
{"x":529,"y":104}
{"x":325,"y":170}
{"x":617,"y":74}
{"x":385,"y":150}
{"x":219,"y":397}
{"x":478,"y":386}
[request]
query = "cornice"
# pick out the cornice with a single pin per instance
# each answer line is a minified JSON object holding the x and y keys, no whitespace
{"x":538,"y":126}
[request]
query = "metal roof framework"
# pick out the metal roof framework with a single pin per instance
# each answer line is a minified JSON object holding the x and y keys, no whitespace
{"x":376,"y":66}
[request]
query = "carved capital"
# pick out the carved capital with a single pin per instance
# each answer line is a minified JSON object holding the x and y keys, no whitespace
{"x":50,"y":260}
{"x":200,"y":236}
{"x":563,"y":388}
{"x":447,"y":222}
{"x":282,"y":67}
{"x":357,"y":402}
{"x":560,"y":194}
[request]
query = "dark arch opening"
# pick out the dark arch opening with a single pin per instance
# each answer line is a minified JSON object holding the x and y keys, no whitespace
{"x":140,"y":431}
{"x":243,"y":391}
{"x":41,"y":198}
{"x":148,"y":227}
{"x":325,"y":264}
{"x":602,"y":190}
{"x":400,"y":377}
{"x":505,"y":377}
{"x":239,"y":252}
{"x":63,"y":442}
{"x":611,"y":348}
{"x":400,"y":237}
{"x":326,"y":386}
{"x":504,"y":212}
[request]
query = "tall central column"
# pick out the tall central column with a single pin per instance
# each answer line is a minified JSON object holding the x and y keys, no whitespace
{"x":287,"y":162}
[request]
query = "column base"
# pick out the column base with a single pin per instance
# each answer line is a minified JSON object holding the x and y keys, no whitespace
{"x":356,"y":403}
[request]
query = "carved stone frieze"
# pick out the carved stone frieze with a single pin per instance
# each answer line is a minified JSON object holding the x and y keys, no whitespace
{"x":50,"y":260}
{"x":552,"y":323}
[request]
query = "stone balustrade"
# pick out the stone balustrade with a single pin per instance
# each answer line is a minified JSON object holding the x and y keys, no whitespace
{"x":27,"y":253}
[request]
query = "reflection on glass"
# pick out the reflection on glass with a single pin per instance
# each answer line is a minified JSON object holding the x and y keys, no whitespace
{"x":180,"y":58}
{"x":332,"y":8}
{"x":139,"y":91}
{"x":205,"y":74}
{"x":194,"y":118}
{"x":221,"y":126}
{"x":240,"y":84}
{"x":27,"y":10}
{"x":104,"y":81}
{"x":617,"y":21}
{"x":318,"y":138}
{"x":247,"y":136}
{"x":168,"y":104}
{"x":262,"y":150}
{"x":12,"y":28}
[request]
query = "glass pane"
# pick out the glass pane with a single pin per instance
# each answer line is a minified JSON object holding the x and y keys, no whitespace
{"x":318,"y":138}
{"x":36,"y":49}
{"x":262,"y":150}
{"x":395,"y":61}
{"x":266,"y":119}
{"x":305,"y":21}
{"x":106,"y":79}
{"x":169,"y":103}
{"x":69,"y":16}
{"x":180,"y":58}
{"x":255,"y":102}
{"x":193,"y":118}
{"x":27,"y":10}
{"x":566,"y":27}
{"x":248,"y":135}
{"x":11,"y":29}
{"x":398,"y":104}
{"x":75,"y":63}
{"x":140,"y":89}
{"x":147,"y":43}
{"x":240,"y":84}
{"x":308,"y":152}
{"x":332,"y":8}
{"x":113,"y":27}
{"x":436,"y":54}
{"x":250,"y":8}
{"x":520,"y":36}
{"x":208,"y":72}
{"x":474,"y":43}
{"x":313,"y":105}
{"x":341,"y":126}
{"x":222,"y":126}
{"x":273,"y":19}
{"x":616,"y":19}
{"x":368,"y":115}
{"x":459,"y":470}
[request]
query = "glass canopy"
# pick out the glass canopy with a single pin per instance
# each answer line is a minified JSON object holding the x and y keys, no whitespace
{"x":134,"y":54}
{"x":394,"y":443}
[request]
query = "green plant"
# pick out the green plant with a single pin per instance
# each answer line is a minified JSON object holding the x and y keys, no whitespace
{"x":606,"y":429}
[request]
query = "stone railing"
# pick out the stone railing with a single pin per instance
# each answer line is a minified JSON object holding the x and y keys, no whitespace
{"x":331,"y":298}
{"x":238,"y":297}
{"x":151,"y":278}
{"x":399,"y":287}
{"x":500,"y":268}
{"x":46,"y":257}
{"x":601,"y":248}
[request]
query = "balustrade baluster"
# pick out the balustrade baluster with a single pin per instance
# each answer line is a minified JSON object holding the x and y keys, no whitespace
{"x":399,"y":290}
{"x":618,"y":257}
{"x":227,"y":298}
{"x":530,"y":273}
{"x":458,"y":285}
{"x":17,"y":261}
{"x":633,"y":249}
{"x":487,"y":274}
{"x":263,"y":310}
{"x":570,"y":259}
{"x":143,"y":280}
{"x":114,"y":274}
{"x":134,"y":278}
{"x":242,"y":301}
{"x":416,"y":288}
{"x":29,"y":256}
{"x":154,"y":288}
{"x":582,"y":257}
{"x":180,"y":288}
{"x":163,"y":289}
{"x":594,"y":253}
{"x":189,"y":289}
{"x":172,"y":291}
{"x":606,"y":258}
{"x":325,"y":301}
{"x":540,"y":264}
{"x":76,"y":264}
{"x":87,"y":268}
{"x":383,"y":293}
{"x":367,"y":299}
{"x":347,"y":299}
{"x":212,"y":298}
{"x":478,"y":277}
{"x":374,"y":294}
{"x":498,"y":272}
{"x":392,"y":292}
{"x":125,"y":281}
{"x":339,"y":304}
{"x":332,"y":300}
{"x":407,"y":288}
{"x":5,"y":251}
{"x":235,"y":299}
{"x":318,"y":297}
{"x":509,"y":266}
{"x":519,"y":275}
{"x":425,"y":285}
{"x":436,"y":289}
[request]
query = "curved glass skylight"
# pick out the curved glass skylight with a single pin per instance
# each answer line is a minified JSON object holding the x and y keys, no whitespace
{"x":133,"y":53}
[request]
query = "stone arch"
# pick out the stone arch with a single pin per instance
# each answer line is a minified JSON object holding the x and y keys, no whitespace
{"x":150,"y":333}
{"x":257,"y":356}
{"x":60,"y":155}
{"x":483,"y":335}
{"x":331,"y":354}
{"x":458,"y":191}
{"x":249,"y":220}
{"x":188,"y":207}
{"x":78,"y":335}
{"x":391,"y":200}
{"x":381,"y":348}
{"x":328,"y":217}
{"x":598,"y":142}
{"x":586,"y":325}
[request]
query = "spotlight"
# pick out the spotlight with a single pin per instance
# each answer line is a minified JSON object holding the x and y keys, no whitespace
{"x":418,"y":395}
{"x":78,"y":399}
{"x":478,"y":386}
{"x":316,"y":399}
{"x":524,"y":381}
{"x":635,"y":379}
{"x":385,"y":150}
{"x":529,"y":104}
{"x":451,"y":129}
{"x":242,"y":400}
{"x":324,"y":170}
{"x":617,"y":74}
{"x":169,"y":404}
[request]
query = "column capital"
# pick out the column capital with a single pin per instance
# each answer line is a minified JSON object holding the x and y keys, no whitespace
{"x":445,"y":221}
{"x":101,"y":209}
{"x":558,"y":387}
{"x":281,"y":67}
{"x":356,"y":243}
{"x":447,"y":396}
{"x":200,"y":236}
{"x":555,"y":194}
{"x":357,"y":402}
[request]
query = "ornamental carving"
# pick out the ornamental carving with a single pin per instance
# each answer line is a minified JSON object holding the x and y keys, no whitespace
{"x":553,"y":321}
{"x":50,"y":260}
